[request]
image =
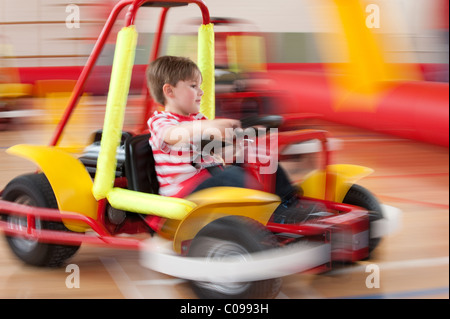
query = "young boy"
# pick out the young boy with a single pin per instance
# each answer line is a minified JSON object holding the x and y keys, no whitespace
{"x":174,"y":82}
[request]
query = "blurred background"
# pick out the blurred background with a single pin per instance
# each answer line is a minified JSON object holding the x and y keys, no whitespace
{"x":48,"y":33}
{"x":45,"y":44}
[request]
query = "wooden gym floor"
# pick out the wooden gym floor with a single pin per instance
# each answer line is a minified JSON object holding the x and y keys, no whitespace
{"x":412,"y":263}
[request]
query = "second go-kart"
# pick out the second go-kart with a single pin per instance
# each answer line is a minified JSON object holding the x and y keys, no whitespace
{"x":224,"y":240}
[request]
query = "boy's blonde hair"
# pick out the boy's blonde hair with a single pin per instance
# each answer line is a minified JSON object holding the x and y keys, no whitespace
{"x":171,"y":70}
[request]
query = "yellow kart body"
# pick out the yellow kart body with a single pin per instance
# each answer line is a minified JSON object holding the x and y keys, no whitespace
{"x":72,"y":187}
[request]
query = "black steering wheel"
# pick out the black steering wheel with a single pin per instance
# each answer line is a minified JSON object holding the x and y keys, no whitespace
{"x":268,"y":121}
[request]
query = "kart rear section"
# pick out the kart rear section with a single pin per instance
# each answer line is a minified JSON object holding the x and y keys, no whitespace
{"x":96,"y":235}
{"x":312,"y":246}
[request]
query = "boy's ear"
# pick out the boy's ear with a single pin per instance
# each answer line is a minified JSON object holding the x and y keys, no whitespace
{"x":167,"y":90}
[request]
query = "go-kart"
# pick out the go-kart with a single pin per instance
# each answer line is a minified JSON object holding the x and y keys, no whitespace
{"x":225,"y":240}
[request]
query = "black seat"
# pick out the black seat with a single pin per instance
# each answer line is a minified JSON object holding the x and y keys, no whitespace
{"x":90,"y":155}
{"x":140,"y":165}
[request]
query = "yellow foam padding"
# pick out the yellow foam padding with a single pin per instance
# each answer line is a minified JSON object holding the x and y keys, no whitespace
{"x":205,"y":61}
{"x":144,"y":203}
{"x":115,"y":109}
{"x":69,"y":179}
{"x":340,"y":179}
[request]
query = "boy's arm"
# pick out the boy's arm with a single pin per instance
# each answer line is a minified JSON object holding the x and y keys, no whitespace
{"x":186,"y":131}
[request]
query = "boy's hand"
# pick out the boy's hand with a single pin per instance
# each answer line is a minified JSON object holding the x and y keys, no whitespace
{"x":218,"y":129}
{"x":222,"y":124}
{"x":226,"y":127}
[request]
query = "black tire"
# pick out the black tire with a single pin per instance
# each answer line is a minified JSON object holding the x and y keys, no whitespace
{"x":360,"y":196}
{"x":35,"y":190}
{"x":237,"y":236}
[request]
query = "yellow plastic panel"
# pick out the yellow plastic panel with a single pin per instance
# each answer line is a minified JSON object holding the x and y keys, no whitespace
{"x":339,"y":180}
{"x":314,"y":185}
{"x":70,"y":181}
{"x":346,"y":176}
{"x":217,"y":202}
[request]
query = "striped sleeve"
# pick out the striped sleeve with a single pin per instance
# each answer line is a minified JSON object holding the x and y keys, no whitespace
{"x":172,"y":163}
{"x":158,"y":125}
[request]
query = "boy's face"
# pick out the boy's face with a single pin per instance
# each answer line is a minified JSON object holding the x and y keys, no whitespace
{"x":185,"y":97}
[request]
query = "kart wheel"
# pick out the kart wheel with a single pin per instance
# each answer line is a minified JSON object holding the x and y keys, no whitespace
{"x":360,"y":196}
{"x":235,"y":237}
{"x":35,"y":190}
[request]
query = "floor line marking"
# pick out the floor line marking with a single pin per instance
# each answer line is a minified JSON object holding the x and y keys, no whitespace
{"x":406,"y":200}
{"x":404,"y":294}
{"x":390,"y":265}
{"x":121,"y":278}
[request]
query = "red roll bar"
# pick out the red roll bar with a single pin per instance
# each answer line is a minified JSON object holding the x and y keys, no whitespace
{"x":134,"y":5}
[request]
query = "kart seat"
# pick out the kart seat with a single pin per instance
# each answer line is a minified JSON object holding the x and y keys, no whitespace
{"x":142,"y":194}
{"x":140,"y":165}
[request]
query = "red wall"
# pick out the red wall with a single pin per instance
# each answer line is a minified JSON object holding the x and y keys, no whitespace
{"x":414,"y":110}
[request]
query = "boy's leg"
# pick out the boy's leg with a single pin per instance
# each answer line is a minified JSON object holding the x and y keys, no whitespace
{"x":284,"y":187}
{"x":293,"y":209}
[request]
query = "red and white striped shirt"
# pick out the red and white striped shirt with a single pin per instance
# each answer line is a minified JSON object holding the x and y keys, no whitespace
{"x":173,"y":163}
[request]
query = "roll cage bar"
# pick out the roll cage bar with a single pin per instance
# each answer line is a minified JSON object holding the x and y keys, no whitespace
{"x":133,"y":7}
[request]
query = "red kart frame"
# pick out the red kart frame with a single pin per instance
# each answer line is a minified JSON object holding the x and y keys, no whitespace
{"x":356,"y":221}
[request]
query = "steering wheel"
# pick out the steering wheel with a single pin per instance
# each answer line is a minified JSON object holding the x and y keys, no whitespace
{"x":268,"y":121}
